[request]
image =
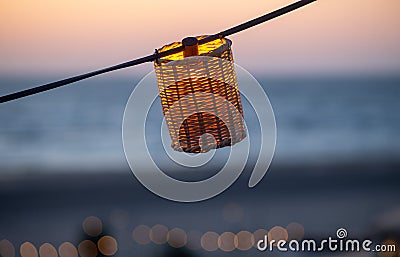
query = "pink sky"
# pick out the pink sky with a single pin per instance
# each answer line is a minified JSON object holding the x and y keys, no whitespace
{"x":329,"y":36}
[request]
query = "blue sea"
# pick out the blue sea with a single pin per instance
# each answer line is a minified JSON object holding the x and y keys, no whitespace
{"x":319,"y":119}
{"x":61,"y":158}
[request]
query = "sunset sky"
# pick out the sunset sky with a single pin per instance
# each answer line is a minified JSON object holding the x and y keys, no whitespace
{"x":43,"y":37}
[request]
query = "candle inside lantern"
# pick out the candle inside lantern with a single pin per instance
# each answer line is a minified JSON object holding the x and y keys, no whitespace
{"x":190,"y":46}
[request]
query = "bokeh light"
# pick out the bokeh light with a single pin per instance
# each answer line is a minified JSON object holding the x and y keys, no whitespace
{"x":277,"y":233}
{"x":177,"y":237}
{"x":141,"y":234}
{"x":227,"y":241}
{"x":158,"y":234}
{"x":47,"y":250}
{"x":27,"y":249}
{"x":258,"y":235}
{"x":245,"y":240}
{"x":209,"y":241}
{"x":107,"y":245}
{"x":92,"y":226}
{"x":232,"y":213}
{"x":7,"y":248}
{"x":193,"y":240}
{"x":295,"y":231}
{"x":87,"y":249}
{"x":67,"y":249}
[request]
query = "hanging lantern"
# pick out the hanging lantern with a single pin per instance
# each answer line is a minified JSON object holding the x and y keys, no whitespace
{"x":200,"y":83}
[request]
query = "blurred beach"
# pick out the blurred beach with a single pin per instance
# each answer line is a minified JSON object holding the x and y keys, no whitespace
{"x":336,"y":165}
{"x":321,"y":119}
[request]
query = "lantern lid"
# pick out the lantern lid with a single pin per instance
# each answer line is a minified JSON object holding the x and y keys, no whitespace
{"x":212,"y":48}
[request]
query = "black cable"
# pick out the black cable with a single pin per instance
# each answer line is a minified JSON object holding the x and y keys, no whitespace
{"x":152,"y":57}
{"x":63,"y":82}
{"x":67,"y":81}
{"x":257,"y":21}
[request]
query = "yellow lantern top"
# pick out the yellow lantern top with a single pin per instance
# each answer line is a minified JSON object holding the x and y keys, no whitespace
{"x":211,"y":48}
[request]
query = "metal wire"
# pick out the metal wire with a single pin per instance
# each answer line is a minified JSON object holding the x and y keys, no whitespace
{"x":152,"y":57}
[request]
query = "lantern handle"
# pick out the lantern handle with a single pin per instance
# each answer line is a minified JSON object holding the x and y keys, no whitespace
{"x":157,"y":55}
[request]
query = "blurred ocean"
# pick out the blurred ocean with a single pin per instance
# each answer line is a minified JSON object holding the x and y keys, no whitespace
{"x":336,"y":166}
{"x":78,"y":127}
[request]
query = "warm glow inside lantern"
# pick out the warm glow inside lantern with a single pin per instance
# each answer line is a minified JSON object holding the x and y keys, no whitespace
{"x":200,"y":96}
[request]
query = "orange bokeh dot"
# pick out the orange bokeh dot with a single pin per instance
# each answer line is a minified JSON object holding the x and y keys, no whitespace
{"x":7,"y":248}
{"x":177,"y":237}
{"x":87,"y":249}
{"x":277,"y":233}
{"x":47,"y":250}
{"x":295,"y":231}
{"x":92,"y":226}
{"x":227,"y":241}
{"x":67,"y":250}
{"x":158,"y":234}
{"x":27,"y":249}
{"x":245,"y":240}
{"x":107,"y":245}
{"x":141,"y":234}
{"x":258,"y":235}
{"x":209,"y":241}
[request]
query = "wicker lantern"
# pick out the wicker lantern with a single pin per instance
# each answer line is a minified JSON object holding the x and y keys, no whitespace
{"x":182,"y":74}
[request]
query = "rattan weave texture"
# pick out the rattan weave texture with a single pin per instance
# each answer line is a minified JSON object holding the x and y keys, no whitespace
{"x":201,"y":83}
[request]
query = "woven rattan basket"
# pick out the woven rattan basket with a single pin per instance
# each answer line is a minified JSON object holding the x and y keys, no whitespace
{"x":201,"y":82}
